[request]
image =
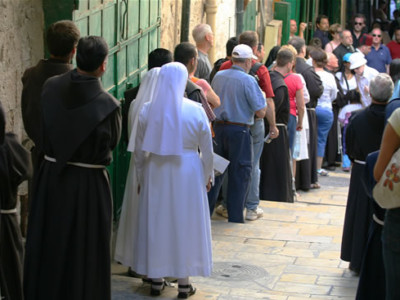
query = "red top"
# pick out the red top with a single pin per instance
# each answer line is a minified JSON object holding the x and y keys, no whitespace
{"x":264,"y":80}
{"x":293,"y":83}
{"x":394,"y":48}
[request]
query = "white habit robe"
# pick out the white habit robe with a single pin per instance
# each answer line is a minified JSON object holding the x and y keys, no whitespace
{"x":174,"y":235}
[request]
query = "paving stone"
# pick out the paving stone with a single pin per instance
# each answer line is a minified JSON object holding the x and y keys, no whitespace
{"x":329,"y":254}
{"x":318,"y":262}
{"x":300,"y":288}
{"x":344,"y":291}
{"x":302,"y":238}
{"x":338,"y":281}
{"x":298,"y":245}
{"x":314,"y":270}
{"x":309,"y":279}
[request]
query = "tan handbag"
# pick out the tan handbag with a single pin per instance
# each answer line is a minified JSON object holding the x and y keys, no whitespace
{"x":387,"y":191}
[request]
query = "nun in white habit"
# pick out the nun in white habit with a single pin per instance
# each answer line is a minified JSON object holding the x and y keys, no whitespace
{"x":174,"y":162}
{"x":127,"y":228}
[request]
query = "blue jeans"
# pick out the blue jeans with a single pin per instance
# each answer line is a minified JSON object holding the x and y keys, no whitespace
{"x":291,"y":128}
{"x":234,"y":143}
{"x":324,"y":124}
{"x":257,"y":134}
{"x":391,"y":253}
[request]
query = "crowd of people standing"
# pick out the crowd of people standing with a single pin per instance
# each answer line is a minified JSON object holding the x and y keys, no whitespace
{"x":277,"y":123}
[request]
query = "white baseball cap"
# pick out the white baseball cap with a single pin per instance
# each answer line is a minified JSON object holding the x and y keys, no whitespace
{"x":243,"y":51}
{"x":356,"y":60}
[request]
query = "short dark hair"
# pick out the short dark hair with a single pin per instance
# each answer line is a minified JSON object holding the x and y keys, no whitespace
{"x":394,"y":69}
{"x":249,"y":38}
{"x":284,"y":57}
{"x":184,"y":52}
{"x":315,"y":42}
{"x":230,"y":44}
{"x":91,"y":53}
{"x":297,"y":42}
{"x":62,"y":37}
{"x":159,"y":57}
{"x":320,"y":17}
{"x":319,"y":56}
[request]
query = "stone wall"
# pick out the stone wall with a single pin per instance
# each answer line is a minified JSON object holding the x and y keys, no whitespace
{"x":21,"y":45}
{"x":171,"y":14}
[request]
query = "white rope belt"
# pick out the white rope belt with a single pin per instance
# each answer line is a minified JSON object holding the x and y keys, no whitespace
{"x":77,"y":164}
{"x":375,"y":218}
{"x":8,"y":211}
{"x":360,"y":162}
{"x":310,"y":108}
{"x":280,"y":124}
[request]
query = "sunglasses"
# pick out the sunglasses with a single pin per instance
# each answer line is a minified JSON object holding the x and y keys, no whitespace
{"x":356,"y":23}
{"x":376,"y":35}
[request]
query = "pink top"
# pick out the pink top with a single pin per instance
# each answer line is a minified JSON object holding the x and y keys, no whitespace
{"x":294,"y":84}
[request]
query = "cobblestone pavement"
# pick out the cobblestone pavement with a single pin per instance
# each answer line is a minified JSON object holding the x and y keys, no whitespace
{"x":291,"y":253}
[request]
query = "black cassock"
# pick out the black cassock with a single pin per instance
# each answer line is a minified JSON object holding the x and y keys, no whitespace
{"x":68,"y":241}
{"x":15,"y":167}
{"x":276,"y":175}
{"x":363,"y":136}
{"x":33,"y":80}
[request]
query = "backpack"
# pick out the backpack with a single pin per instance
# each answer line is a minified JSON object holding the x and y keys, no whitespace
{"x":254,"y":69}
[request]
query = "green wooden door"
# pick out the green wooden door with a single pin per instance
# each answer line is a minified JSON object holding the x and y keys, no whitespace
{"x":250,"y":16}
{"x":132,"y":30}
{"x":282,"y":12}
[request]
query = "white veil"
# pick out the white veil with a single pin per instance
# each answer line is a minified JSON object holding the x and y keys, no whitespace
{"x":163,"y":133}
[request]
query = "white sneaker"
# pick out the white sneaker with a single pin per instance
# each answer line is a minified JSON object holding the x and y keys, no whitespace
{"x":251,"y":214}
{"x":222,"y":211}
{"x":259,"y":212}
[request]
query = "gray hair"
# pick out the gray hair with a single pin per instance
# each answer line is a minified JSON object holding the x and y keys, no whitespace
{"x":200,"y":31}
{"x":239,"y":60}
{"x":298,"y":43}
{"x":381,"y":87}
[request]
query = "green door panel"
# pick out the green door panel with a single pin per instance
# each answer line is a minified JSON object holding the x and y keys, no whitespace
{"x":282,"y":12}
{"x":250,"y":16}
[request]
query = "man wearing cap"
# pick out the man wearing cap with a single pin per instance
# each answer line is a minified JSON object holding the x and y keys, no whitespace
{"x":379,"y":58}
{"x":241,"y":99}
{"x":345,"y":46}
{"x":394,"y":46}
{"x":364,"y":75}
{"x":260,"y":72}
{"x":364,"y":44}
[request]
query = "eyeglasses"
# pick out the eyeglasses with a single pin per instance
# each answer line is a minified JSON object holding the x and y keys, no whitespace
{"x":357,"y":23}
{"x":376,"y":35}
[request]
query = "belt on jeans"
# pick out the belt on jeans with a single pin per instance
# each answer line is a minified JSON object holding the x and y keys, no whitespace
{"x":232,"y":123}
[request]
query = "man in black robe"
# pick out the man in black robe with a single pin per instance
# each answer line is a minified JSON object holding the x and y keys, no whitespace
{"x":363,"y":136}
{"x":306,"y":170}
{"x":15,"y":167}
{"x":68,"y":241}
{"x":332,"y":149}
{"x":276,"y":174}
{"x":61,"y":38}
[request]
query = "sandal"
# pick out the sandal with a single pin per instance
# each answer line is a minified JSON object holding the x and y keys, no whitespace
{"x":322,"y":172}
{"x":189,"y":291}
{"x":315,"y":186}
{"x":156,"y":288}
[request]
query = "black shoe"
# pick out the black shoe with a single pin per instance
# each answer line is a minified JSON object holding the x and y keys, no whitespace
{"x":157,"y":291}
{"x":185,"y":295}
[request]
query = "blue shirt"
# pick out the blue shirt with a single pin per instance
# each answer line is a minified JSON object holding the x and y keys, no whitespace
{"x":323,"y":36}
{"x":240,"y":96}
{"x":378,"y":59}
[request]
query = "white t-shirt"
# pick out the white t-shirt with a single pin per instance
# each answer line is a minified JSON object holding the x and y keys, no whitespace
{"x":330,"y":90}
{"x":352,"y":82}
